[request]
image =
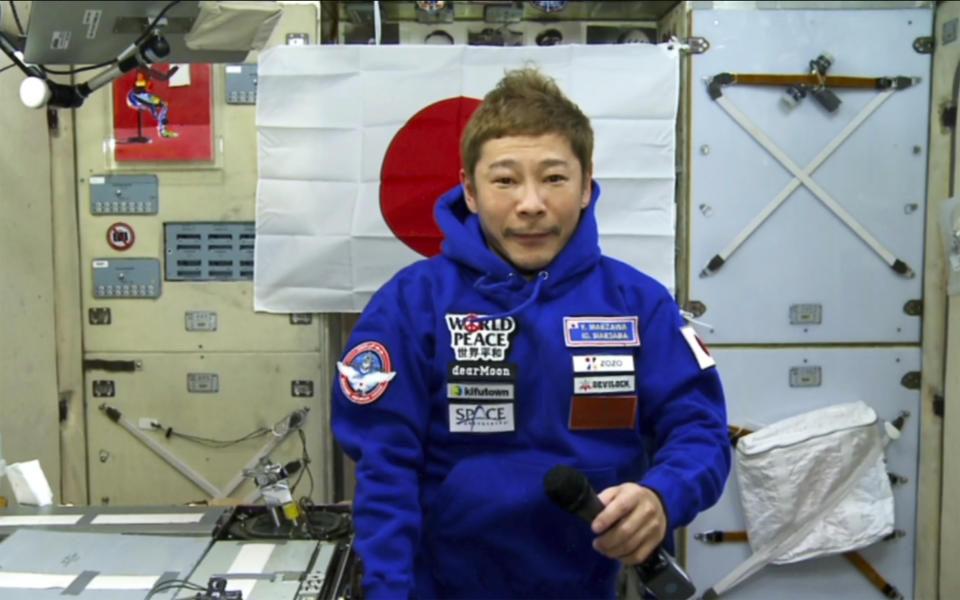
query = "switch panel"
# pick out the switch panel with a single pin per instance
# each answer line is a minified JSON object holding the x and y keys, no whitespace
{"x":124,"y":195}
{"x":241,"y":84}
{"x":126,"y":278}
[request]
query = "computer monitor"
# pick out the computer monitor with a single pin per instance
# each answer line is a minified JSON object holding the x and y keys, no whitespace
{"x":85,"y":33}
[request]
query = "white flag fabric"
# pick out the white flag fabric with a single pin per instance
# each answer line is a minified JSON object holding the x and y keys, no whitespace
{"x":350,"y":138}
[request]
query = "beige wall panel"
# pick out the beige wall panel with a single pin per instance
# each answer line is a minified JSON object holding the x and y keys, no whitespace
{"x":28,"y":369}
{"x":946,"y":64}
{"x":223,"y":190}
{"x":254,"y":392}
{"x":69,"y":323}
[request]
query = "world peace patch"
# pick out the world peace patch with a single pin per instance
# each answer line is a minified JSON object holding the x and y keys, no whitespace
{"x":601,"y":331}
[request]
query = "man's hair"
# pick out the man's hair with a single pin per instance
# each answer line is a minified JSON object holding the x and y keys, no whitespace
{"x":527,"y":102}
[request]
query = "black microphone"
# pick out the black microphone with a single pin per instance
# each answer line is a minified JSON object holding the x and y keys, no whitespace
{"x":660,"y":573}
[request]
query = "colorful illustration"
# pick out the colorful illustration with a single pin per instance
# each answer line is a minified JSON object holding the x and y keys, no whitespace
{"x":141,"y":98}
{"x":164,"y":113}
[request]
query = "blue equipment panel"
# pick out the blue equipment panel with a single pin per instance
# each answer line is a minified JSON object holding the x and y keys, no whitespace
{"x":124,"y":195}
{"x":126,"y":278}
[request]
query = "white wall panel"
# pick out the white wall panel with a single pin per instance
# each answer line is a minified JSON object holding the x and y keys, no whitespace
{"x":804,"y":253}
{"x":757,"y":385}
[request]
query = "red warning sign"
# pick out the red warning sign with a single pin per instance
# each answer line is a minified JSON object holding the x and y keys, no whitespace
{"x":120,"y":236}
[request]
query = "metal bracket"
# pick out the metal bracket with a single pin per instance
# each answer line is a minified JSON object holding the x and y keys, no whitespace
{"x":301,"y":318}
{"x":99,"y":315}
{"x":114,"y":366}
{"x":914,"y":308}
{"x":948,"y":115}
{"x":924,"y":44}
{"x":301,"y":388}
{"x":911,"y":380}
{"x":695,"y":308}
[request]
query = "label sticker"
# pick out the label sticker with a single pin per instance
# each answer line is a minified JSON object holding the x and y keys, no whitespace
{"x":601,"y":331}
{"x":490,"y":417}
{"x":603,"y":363}
{"x":480,"y":391}
{"x":610,"y":384}
{"x":482,"y":371}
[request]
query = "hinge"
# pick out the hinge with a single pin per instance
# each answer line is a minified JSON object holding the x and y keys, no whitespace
{"x":914,"y":308}
{"x":938,"y":405}
{"x":691,"y":45}
{"x":911,"y":380}
{"x":923,"y":45}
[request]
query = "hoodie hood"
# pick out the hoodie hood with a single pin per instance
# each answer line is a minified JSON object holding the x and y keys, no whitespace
{"x":493,"y":276}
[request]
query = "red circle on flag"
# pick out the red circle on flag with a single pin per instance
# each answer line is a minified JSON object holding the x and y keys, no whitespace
{"x":421,"y":163}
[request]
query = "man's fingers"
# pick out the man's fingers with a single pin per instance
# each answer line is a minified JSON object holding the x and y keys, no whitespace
{"x":615,"y":507}
{"x":627,"y":538}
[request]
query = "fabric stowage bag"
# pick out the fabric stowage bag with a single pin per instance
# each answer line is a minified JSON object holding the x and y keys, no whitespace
{"x":815,"y":484}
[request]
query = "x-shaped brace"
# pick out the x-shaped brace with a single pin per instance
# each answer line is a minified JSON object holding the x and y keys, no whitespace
{"x":287,"y":425}
{"x":802,"y":176}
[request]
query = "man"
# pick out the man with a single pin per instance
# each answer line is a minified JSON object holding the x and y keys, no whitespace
{"x":519,"y":348}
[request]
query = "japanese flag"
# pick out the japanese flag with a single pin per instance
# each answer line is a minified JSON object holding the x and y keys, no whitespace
{"x":356,"y":143}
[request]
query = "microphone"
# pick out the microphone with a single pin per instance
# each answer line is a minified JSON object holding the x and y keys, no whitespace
{"x":660,"y":573}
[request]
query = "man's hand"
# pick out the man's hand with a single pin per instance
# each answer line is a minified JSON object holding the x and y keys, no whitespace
{"x":631,"y":525}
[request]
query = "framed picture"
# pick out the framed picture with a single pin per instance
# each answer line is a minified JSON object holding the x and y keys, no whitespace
{"x":164,"y":113}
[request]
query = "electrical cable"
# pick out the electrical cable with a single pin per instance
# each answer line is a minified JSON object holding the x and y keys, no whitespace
{"x":211,"y":442}
{"x":16,"y":17}
{"x":153,"y":23}
{"x":174,"y":584}
{"x":306,"y":467}
{"x":306,"y":461}
{"x":107,"y":63}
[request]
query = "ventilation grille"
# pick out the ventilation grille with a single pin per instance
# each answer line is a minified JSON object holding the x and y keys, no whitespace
{"x":209,"y":251}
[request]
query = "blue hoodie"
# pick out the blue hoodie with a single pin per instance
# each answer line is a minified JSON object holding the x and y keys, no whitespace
{"x":464,"y":383}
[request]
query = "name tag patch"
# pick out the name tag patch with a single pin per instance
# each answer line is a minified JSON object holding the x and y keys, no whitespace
{"x":601,"y":331}
{"x":603,"y":363}
{"x":609,"y":384}
{"x":480,"y":391}
{"x":487,"y":417}
{"x":603,"y":412}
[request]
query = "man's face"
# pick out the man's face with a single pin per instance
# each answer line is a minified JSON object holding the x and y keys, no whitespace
{"x":528,"y":192}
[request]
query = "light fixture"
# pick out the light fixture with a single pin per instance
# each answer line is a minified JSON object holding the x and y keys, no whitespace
{"x":549,"y":6}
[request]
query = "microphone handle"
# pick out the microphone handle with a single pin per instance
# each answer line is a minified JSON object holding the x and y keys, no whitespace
{"x":659,"y":573}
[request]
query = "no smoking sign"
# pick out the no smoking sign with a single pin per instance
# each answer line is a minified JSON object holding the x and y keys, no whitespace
{"x":120,"y":236}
